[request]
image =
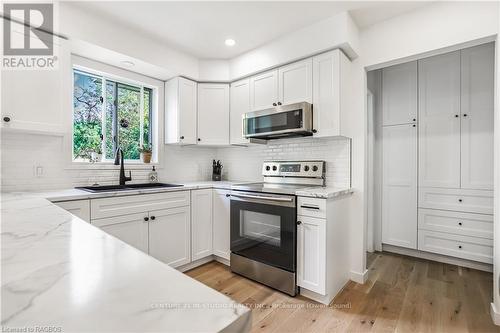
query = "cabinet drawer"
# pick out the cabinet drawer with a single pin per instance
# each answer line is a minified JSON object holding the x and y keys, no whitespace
{"x":471,"y":248}
{"x":473,"y":201}
{"x":312,"y":207}
{"x":467,"y":224}
{"x":117,"y":206}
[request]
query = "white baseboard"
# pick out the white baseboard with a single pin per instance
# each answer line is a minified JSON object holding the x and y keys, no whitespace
{"x":195,"y":264}
{"x":359,"y":277}
{"x":202,"y":261}
{"x":221,"y":260}
{"x":495,"y":315}
{"x":438,"y":257}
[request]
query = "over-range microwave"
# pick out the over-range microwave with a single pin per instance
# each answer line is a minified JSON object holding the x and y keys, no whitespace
{"x":279,"y":122}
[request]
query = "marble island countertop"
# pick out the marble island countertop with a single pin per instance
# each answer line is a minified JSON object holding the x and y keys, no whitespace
{"x":62,"y":273}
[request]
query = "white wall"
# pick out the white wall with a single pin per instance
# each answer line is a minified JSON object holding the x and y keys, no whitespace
{"x":334,"y":32}
{"x":92,"y":28}
{"x":426,"y":29}
{"x":214,"y":70}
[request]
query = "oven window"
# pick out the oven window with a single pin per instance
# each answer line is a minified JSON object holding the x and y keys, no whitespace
{"x":261,"y":227}
{"x":275,"y":122}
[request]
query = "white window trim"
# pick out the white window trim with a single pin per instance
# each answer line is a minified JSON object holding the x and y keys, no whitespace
{"x":123,"y":76}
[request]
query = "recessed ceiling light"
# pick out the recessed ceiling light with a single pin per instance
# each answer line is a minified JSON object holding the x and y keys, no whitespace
{"x":230,"y":42}
{"x":127,"y":63}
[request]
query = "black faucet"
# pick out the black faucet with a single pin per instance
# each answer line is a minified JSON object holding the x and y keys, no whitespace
{"x":119,"y":160}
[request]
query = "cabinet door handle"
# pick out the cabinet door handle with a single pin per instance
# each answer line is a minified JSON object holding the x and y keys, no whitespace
{"x":6,"y":119}
{"x":228,"y":195}
{"x":279,"y":103}
{"x":146,"y":219}
{"x":465,"y":114}
{"x":182,"y":137}
{"x":459,"y":223}
{"x":414,"y":119}
{"x":459,"y":200}
{"x":456,"y":116}
{"x":274,"y":104}
{"x":199,"y":139}
{"x":309,"y":207}
{"x":460,"y":246}
{"x":153,"y":218}
{"x":299,"y":222}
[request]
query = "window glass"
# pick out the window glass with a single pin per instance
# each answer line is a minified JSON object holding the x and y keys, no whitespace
{"x":87,"y":117}
{"x":129,"y":123}
{"x":119,"y":117}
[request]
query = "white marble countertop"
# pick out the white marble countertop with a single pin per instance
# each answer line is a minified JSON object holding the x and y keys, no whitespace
{"x":59,"y":271}
{"x":323,"y":192}
{"x":75,"y":194}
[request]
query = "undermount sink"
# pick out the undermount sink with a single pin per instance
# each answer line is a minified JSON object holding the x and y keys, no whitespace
{"x":112,"y":188}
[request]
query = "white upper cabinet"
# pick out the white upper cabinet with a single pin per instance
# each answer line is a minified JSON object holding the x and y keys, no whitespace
{"x":295,"y":82}
{"x":477,"y":117}
{"x":38,"y":101}
{"x":264,"y":90}
{"x":240,"y":104}
{"x":399,"y":186}
{"x":170,"y":235}
{"x":180,"y":111}
{"x":330,"y":92}
{"x":439,"y":121}
{"x":399,"y":95}
{"x":213,"y":114}
{"x":201,"y":223}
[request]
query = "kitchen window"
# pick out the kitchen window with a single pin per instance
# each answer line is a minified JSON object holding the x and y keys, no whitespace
{"x":110,"y":114}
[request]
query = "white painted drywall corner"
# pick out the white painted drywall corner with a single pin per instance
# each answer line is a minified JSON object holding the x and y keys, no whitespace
{"x":93,"y":28}
{"x":428,"y":28}
{"x":213,"y":70}
{"x":338,"y":31}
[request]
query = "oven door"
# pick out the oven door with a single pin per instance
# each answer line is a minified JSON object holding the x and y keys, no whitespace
{"x":263,"y":228}
{"x":287,"y":120}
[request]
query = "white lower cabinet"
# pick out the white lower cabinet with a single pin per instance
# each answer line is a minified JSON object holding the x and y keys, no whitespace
{"x":132,"y":229}
{"x":79,"y":208}
{"x":163,"y":233}
{"x":170,"y":235}
{"x":465,"y":247}
{"x":221,"y":223}
{"x":322,"y":265}
{"x":311,"y":254}
{"x":201,"y":223}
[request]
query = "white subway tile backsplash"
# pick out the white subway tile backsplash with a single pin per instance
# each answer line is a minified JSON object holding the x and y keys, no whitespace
{"x":244,"y":163}
{"x":21,"y":153}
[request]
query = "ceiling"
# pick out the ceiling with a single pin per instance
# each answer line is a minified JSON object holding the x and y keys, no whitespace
{"x":200,"y":28}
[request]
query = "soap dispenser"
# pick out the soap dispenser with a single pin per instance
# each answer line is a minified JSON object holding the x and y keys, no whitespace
{"x":153,"y":176}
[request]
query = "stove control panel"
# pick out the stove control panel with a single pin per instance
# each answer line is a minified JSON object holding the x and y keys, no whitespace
{"x":308,"y":169}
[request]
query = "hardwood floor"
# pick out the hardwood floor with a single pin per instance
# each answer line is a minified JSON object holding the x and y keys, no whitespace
{"x":403,"y":294}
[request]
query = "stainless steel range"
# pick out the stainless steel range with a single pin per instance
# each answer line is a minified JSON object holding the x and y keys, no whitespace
{"x":264,"y":222}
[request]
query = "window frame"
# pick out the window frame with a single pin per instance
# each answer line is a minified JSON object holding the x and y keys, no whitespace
{"x":153,"y":114}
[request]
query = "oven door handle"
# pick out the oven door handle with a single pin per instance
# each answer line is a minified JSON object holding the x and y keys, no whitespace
{"x":249,"y":196}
